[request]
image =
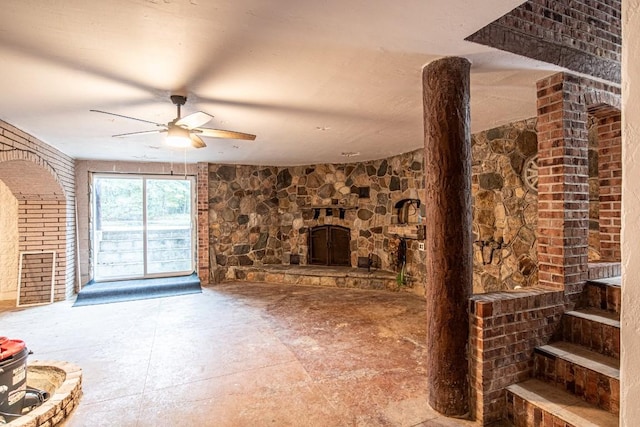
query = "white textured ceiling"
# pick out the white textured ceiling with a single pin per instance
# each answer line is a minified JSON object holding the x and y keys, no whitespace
{"x":311,"y":79}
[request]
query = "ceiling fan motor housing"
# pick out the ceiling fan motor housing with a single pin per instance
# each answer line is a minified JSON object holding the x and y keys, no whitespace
{"x":178,"y":99}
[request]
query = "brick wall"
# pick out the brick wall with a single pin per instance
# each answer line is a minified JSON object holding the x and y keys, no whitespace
{"x":203,"y":249}
{"x":603,"y":270}
{"x":563,"y":189}
{"x":8,"y":243}
{"x":42,"y":180}
{"x":564,"y":102}
{"x":594,"y":193}
{"x":505,"y":329}
{"x":565,"y":23}
{"x":42,"y":226}
{"x":610,"y":184}
{"x":580,"y":35}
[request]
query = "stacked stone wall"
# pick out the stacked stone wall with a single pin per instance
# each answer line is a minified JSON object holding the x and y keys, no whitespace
{"x":262,"y":215}
{"x":244,"y":225}
{"x":505,"y":210}
{"x":305,"y":193}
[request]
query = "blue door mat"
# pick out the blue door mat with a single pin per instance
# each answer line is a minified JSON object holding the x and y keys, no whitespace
{"x":130,"y":290}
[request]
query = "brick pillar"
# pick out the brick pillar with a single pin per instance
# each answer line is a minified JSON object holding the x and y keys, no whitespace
{"x":448,"y":250}
{"x":563,"y":187}
{"x":204,"y":270}
{"x":610,"y":180}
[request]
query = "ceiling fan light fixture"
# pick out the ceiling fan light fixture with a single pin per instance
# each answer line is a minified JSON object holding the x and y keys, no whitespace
{"x":183,"y":132}
{"x":178,"y":137}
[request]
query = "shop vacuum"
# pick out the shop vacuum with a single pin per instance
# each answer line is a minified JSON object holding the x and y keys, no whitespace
{"x":16,"y":399}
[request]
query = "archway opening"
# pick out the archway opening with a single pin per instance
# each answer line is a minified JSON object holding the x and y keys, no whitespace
{"x":35,"y":216}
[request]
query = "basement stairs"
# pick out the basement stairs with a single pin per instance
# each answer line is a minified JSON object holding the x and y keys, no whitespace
{"x":576,"y":378}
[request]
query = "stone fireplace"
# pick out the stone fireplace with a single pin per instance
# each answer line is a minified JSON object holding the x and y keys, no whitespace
{"x":330,"y":245}
{"x":261,"y":217}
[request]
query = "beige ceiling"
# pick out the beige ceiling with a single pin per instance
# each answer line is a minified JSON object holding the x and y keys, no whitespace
{"x":312,"y":79}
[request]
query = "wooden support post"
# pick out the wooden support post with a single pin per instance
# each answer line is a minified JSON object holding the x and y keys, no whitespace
{"x":449,"y":262}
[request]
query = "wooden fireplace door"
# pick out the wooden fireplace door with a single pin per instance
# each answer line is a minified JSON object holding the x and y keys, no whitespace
{"x":330,"y":245}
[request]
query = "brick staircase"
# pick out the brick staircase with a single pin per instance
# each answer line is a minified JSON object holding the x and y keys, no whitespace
{"x":576,"y":378}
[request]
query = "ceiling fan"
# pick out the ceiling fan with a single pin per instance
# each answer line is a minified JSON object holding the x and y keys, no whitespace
{"x":184,"y":131}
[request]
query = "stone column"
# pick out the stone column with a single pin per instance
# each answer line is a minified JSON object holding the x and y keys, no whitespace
{"x":449,"y":261}
{"x":563,"y":184}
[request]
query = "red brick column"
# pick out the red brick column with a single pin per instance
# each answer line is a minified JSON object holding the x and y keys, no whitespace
{"x":610,"y":179}
{"x":203,"y":223}
{"x":563,"y":188}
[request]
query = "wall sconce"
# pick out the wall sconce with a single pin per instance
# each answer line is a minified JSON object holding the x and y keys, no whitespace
{"x":487,"y":248}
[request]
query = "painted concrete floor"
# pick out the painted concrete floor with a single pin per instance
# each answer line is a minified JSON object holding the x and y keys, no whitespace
{"x":241,"y":354}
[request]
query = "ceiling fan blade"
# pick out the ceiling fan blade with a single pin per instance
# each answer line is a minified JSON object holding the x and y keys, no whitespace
{"x":228,"y":134}
{"x":197,"y":142}
{"x":127,"y":117}
{"x":144,"y":132}
{"x":194,"y":120}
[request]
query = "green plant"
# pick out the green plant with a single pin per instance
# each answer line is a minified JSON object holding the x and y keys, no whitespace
{"x":401,"y":276}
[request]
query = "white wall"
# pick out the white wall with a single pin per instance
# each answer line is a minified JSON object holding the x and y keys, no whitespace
{"x":9,"y":251}
{"x":630,"y":352}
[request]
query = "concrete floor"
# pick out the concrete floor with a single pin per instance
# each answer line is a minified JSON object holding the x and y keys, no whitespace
{"x":241,"y":354}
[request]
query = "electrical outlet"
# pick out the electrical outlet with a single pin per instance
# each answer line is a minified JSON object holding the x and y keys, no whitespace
{"x":421,"y":246}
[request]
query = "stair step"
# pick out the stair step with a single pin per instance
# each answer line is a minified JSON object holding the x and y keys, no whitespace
{"x":588,"y":375}
{"x":604,"y":294}
{"x":535,"y":403}
{"x":595,"y":329}
{"x":604,"y":270}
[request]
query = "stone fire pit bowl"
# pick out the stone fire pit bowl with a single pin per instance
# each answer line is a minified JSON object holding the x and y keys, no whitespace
{"x":63,"y":382}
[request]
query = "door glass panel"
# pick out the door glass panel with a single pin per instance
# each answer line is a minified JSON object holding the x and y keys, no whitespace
{"x":118,"y":229}
{"x":142,"y":227}
{"x":169,"y":246}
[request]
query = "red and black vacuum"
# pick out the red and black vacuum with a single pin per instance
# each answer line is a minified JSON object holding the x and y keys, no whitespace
{"x":15,"y":396}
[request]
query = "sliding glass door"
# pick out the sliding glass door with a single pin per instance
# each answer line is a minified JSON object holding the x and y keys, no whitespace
{"x":169,"y":244}
{"x":142,"y":226}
